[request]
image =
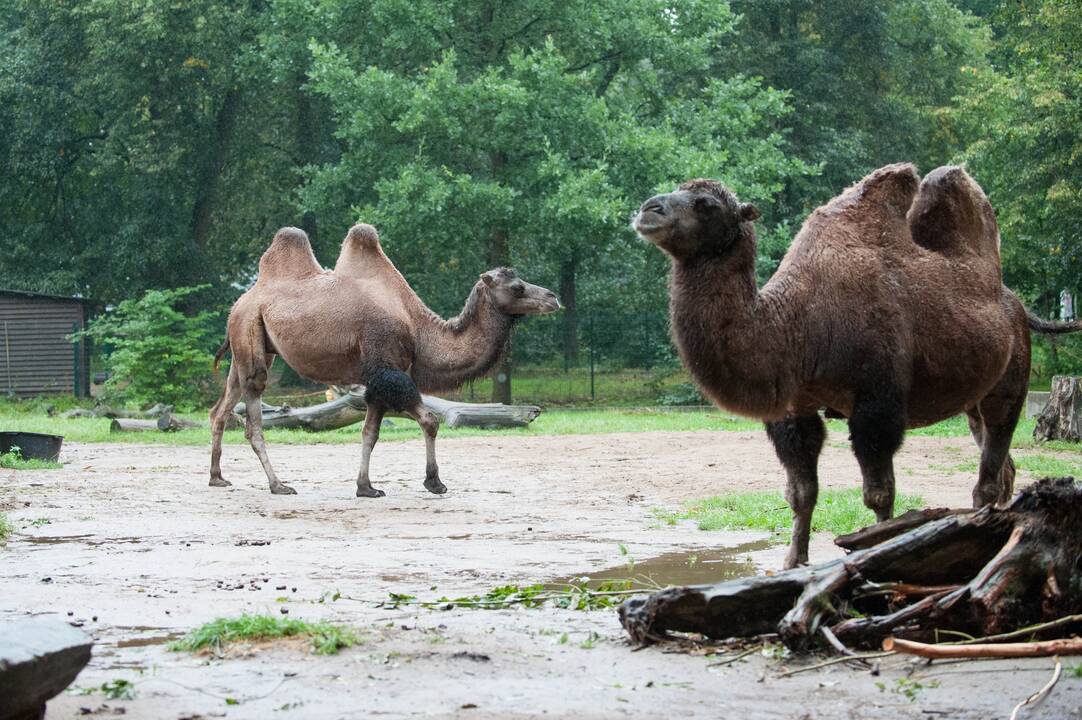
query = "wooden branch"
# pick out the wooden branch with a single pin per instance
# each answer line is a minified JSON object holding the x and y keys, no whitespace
{"x":880,"y":532}
{"x":1043,"y":648}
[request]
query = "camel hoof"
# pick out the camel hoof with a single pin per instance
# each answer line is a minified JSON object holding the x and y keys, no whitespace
{"x":433,"y":485}
{"x":219,"y":482}
{"x":370,"y":492}
{"x":282,"y":489}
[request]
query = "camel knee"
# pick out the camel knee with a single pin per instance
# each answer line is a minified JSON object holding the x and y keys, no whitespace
{"x":880,"y":500}
{"x":256,"y":381}
{"x":430,"y":424}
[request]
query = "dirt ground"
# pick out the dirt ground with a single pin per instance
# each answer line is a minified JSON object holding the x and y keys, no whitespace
{"x":129,"y":542}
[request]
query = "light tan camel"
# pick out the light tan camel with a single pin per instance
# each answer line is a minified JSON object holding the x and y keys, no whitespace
{"x":889,"y":309}
{"x":360,"y":323}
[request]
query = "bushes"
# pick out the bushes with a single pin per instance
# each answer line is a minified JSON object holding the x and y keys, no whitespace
{"x":155,"y":352}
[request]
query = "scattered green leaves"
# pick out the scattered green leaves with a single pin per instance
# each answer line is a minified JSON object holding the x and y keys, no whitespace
{"x":119,"y":689}
{"x":908,"y":687}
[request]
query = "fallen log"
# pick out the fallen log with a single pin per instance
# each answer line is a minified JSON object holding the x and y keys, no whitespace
{"x":1061,"y":418}
{"x":132,"y":425}
{"x":104,"y":411}
{"x":350,"y":408}
{"x":38,"y":659}
{"x":980,"y":572}
{"x":1045,"y":648}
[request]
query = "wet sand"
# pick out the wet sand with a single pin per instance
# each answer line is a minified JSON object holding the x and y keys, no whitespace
{"x":138,"y":550}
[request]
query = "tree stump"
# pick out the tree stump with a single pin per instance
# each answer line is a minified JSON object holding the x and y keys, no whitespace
{"x":981,"y":572}
{"x":1061,"y":418}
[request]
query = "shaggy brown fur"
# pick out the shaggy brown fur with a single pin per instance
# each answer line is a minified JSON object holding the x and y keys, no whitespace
{"x":888,"y":309}
{"x":361,"y":324}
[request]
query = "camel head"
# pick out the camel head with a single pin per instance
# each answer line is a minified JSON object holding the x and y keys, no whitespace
{"x":514,"y":296}
{"x":700,"y":217}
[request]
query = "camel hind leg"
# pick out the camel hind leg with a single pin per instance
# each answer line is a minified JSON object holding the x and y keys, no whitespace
{"x":993,"y":420}
{"x":252,"y":366}
{"x":219,"y":414}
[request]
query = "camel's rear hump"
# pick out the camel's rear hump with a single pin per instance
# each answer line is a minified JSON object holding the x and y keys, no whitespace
{"x":289,"y":256}
{"x":951,"y":215}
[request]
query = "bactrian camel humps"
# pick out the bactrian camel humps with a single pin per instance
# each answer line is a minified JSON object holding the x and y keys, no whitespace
{"x":888,"y":309}
{"x":361,"y":323}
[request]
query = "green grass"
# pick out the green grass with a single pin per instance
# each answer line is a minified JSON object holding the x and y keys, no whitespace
{"x":13,"y":460}
{"x":5,"y":528}
{"x":838,"y":511}
{"x":327,"y":638}
{"x":1044,"y":466}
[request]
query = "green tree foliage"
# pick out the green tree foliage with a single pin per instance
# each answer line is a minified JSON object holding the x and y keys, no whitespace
{"x":870,"y":84}
{"x":1024,"y":144}
{"x":156,"y":353}
{"x":528,"y":132}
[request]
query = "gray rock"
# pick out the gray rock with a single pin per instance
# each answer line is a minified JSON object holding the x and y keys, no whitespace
{"x":39,"y":657}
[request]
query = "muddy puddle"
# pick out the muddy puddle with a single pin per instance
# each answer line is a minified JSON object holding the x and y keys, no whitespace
{"x":688,"y":567}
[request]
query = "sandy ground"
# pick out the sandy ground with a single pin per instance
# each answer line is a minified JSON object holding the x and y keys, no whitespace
{"x":137,"y":549}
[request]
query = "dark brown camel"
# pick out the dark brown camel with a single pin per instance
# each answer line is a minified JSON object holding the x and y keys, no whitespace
{"x":360,"y":324}
{"x":889,"y":309}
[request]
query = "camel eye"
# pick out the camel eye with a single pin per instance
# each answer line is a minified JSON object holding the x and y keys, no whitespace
{"x":519,"y":289}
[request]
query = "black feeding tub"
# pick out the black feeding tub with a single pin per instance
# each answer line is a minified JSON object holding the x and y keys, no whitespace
{"x":32,"y":446}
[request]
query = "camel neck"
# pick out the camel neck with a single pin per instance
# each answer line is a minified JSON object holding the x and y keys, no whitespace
{"x":450,"y":352}
{"x":729,"y":334}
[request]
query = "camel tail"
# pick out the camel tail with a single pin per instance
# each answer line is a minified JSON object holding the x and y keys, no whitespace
{"x":1052,"y":327}
{"x":221,"y":354}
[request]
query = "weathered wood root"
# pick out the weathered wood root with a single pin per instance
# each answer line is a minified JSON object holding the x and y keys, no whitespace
{"x":980,"y":573}
{"x":350,"y":408}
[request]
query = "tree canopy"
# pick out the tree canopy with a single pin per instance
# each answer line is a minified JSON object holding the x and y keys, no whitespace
{"x":155,"y":145}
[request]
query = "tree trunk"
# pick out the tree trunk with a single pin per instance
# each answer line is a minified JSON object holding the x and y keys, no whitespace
{"x":499,"y":256}
{"x":207,"y":181}
{"x":570,"y":318}
{"x":1061,"y":418}
{"x":350,"y":409}
{"x":981,"y":573}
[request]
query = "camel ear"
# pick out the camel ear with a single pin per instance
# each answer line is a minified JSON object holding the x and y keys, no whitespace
{"x":749,"y":212}
{"x":487,"y":279}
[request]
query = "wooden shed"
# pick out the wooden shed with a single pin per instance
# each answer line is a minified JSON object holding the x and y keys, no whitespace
{"x":37,"y":356}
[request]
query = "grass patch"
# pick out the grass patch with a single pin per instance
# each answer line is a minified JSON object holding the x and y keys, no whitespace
{"x":13,"y":460}
{"x":327,"y":638}
{"x":5,"y":528}
{"x":838,"y":511}
{"x":1044,"y":466}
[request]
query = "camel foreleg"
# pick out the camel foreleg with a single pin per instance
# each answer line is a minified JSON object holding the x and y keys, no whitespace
{"x":430,"y":425}
{"x":798,"y":440}
{"x":876,"y":429}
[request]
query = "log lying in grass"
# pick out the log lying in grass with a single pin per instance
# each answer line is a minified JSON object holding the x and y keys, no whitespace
{"x":979,"y":572}
{"x":39,"y":657}
{"x":350,"y":409}
{"x":166,"y":423}
{"x":1061,"y":418}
